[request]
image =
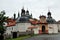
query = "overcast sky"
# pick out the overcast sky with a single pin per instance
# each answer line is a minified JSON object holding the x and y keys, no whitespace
{"x":36,"y":7}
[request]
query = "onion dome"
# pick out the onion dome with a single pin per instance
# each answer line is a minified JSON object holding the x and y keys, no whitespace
{"x":49,"y":13}
{"x":27,"y":11}
{"x":23,"y":11}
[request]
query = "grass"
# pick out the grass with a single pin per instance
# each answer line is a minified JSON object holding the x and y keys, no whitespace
{"x":20,"y":38}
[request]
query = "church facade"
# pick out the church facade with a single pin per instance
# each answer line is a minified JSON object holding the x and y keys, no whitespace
{"x":45,"y":25}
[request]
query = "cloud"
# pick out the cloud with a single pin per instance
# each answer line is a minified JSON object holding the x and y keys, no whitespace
{"x":34,"y":6}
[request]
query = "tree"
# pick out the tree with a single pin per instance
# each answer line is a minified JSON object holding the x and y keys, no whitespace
{"x":2,"y":20}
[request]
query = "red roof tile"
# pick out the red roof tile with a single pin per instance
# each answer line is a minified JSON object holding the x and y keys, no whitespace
{"x":11,"y":22}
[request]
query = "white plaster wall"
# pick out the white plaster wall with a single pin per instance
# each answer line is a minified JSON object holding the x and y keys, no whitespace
{"x":15,"y":28}
{"x":22,"y":27}
{"x":36,"y":30}
{"x":58,"y":27}
{"x":8,"y":30}
{"x":50,"y":30}
{"x":54,"y":28}
{"x":11,"y":29}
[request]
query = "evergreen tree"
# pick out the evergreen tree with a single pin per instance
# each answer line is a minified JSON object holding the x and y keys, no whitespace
{"x":3,"y":19}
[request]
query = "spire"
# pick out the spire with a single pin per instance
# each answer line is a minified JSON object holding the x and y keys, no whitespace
{"x":14,"y":16}
{"x":31,"y":15}
{"x":18,"y":14}
{"x":49,"y":13}
{"x":22,"y":12}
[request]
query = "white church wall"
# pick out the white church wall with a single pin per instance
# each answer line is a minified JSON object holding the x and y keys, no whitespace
{"x":22,"y":27}
{"x":52,"y":28}
{"x":8,"y":30}
{"x":27,"y":25}
{"x":14,"y":28}
{"x":58,"y":27}
{"x":36,"y":30}
{"x":55,"y":28}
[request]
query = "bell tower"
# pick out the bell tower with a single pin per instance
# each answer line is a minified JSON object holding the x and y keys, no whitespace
{"x":22,"y":12}
{"x":42,"y":19}
{"x":27,"y":12}
{"x":49,"y":14}
{"x":14,"y":16}
{"x":43,"y":25}
{"x":18,"y":14}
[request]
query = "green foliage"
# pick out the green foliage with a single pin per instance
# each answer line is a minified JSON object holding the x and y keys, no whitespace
{"x":2,"y":20}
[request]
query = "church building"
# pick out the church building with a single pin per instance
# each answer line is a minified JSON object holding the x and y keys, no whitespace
{"x":18,"y":26}
{"x":25,"y":24}
{"x":22,"y":22}
{"x":45,"y":25}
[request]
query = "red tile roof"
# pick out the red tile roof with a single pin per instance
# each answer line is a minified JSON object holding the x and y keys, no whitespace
{"x":11,"y":22}
{"x":36,"y":22}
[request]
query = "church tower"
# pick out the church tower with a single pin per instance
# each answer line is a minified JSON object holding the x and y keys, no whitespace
{"x":27,"y":12}
{"x":22,"y":12}
{"x":31,"y":15}
{"x":49,"y":18}
{"x":49,"y":14}
{"x":18,"y":14}
{"x":14,"y":16}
